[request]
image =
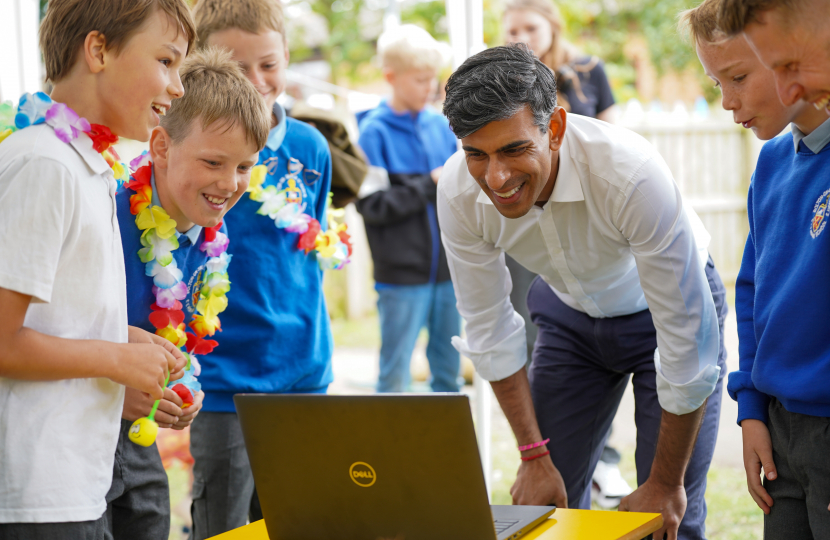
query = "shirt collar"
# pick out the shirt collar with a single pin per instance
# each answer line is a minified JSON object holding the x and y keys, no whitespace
{"x":193,"y":233}
{"x":96,"y":162}
{"x":277,"y":133}
{"x":815,"y":141}
{"x":567,"y":188}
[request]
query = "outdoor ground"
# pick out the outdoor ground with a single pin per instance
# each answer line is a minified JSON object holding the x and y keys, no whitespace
{"x":732,"y":513}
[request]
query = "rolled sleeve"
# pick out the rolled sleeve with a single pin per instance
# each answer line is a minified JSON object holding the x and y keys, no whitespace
{"x":37,"y":200}
{"x":653,"y":219}
{"x":495,"y":333}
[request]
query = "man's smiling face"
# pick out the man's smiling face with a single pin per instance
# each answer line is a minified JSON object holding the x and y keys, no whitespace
{"x":514,"y":162}
{"x":797,"y":49}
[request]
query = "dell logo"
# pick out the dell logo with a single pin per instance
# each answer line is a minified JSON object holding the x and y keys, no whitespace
{"x":362,"y":474}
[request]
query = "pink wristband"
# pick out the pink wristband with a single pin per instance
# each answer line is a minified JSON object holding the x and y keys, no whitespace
{"x":533,"y":445}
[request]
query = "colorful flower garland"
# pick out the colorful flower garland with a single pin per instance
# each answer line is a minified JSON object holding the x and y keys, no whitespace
{"x":159,"y":240}
{"x":38,"y":108}
{"x":333,"y":246}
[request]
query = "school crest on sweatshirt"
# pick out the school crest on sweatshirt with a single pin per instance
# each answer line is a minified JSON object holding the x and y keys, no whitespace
{"x":820,"y":209}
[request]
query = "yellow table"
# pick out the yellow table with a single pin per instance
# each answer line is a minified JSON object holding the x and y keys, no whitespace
{"x":564,"y":524}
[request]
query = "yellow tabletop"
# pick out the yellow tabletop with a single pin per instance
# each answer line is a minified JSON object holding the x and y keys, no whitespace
{"x":563,"y":524}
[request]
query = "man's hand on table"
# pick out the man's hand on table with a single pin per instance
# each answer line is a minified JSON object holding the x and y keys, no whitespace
{"x":539,"y":483}
{"x":664,"y":491}
{"x":656,"y":497}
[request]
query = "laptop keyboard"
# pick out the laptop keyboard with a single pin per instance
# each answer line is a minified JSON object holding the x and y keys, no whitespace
{"x":504,"y":524}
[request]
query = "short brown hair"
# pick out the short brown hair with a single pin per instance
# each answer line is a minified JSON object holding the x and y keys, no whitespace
{"x":701,"y":22}
{"x":248,"y":15}
{"x":216,"y":90}
{"x":68,"y":22}
{"x":735,"y":15}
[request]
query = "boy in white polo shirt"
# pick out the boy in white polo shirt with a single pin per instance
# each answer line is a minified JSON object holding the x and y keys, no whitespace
{"x":64,"y":357}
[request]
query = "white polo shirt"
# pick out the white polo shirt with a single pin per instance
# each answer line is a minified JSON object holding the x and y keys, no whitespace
{"x":61,"y":244}
{"x":615,"y":238}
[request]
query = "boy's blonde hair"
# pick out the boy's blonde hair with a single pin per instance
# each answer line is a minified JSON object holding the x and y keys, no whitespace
{"x":67,"y":23}
{"x":701,"y":23}
{"x":408,"y":47}
{"x":216,"y":90}
{"x":251,"y":16}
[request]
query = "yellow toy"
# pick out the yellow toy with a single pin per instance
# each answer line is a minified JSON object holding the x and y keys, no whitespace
{"x":144,"y":430}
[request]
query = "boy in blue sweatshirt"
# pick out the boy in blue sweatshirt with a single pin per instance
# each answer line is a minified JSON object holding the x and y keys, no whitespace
{"x":198,"y":167}
{"x":779,"y":366}
{"x":781,"y":294}
{"x":408,"y":143}
{"x":276,"y":334}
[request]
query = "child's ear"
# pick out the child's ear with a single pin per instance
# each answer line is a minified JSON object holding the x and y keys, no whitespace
{"x":389,"y":75}
{"x":95,"y":50}
{"x":160,"y":147}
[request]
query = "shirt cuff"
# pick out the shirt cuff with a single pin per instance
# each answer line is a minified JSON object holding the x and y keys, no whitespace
{"x":686,"y":397}
{"x":502,"y":359}
{"x":752,"y":404}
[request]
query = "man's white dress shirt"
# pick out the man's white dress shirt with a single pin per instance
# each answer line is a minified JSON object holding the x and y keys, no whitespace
{"x":615,"y":238}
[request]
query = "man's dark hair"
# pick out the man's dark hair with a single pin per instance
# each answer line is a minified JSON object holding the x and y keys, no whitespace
{"x":496,"y":84}
{"x":735,"y":15}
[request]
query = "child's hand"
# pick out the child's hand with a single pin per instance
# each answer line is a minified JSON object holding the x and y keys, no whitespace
{"x":138,"y":405}
{"x":758,"y":454}
{"x":190,"y":412}
{"x":137,"y":335}
{"x":143,"y":366}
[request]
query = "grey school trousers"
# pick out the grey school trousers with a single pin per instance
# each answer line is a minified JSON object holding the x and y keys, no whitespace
{"x":801,"y":493}
{"x":581,"y":366}
{"x":138,"y":502}
{"x":224,"y":496}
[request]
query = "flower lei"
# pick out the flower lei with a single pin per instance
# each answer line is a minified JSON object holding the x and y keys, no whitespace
{"x":159,"y":240}
{"x":333,"y":246}
{"x":38,"y":108}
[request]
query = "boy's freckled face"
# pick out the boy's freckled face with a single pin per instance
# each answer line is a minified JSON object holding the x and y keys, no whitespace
{"x":142,"y":79}
{"x":412,"y":88}
{"x":263,"y":57}
{"x":748,"y":89}
{"x":203,"y":175}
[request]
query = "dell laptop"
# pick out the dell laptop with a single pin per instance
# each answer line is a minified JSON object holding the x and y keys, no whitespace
{"x":380,"y":467}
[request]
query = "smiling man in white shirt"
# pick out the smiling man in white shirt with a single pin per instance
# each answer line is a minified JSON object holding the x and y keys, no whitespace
{"x":625,"y":287}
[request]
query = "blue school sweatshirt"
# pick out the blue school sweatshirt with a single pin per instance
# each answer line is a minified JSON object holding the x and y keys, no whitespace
{"x":276,"y":336}
{"x":783,"y":288}
{"x":189,"y":259}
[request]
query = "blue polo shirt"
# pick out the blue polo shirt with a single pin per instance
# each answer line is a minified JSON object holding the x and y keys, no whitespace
{"x":276,"y":336}
{"x":189,"y":258}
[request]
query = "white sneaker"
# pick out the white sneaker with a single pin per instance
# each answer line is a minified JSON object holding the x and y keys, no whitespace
{"x":609,"y":487}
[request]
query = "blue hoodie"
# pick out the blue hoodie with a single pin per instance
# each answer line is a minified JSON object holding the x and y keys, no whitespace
{"x":401,"y":223}
{"x":783,"y":287}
